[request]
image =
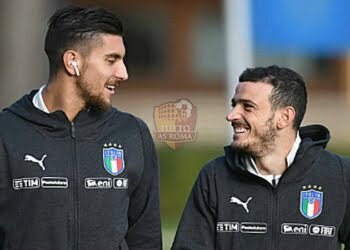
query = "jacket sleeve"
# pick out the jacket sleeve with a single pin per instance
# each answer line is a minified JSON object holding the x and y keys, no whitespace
{"x":3,"y":189}
{"x":197,"y":228}
{"x":144,"y":209}
{"x":344,"y":230}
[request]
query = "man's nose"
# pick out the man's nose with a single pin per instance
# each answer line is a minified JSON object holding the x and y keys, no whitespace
{"x":233,"y":114}
{"x":121,"y":72}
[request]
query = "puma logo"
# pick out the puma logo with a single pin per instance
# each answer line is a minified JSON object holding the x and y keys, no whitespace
{"x":39,"y":162}
{"x":239,"y":202}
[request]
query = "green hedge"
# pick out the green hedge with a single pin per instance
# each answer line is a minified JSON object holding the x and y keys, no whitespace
{"x":178,"y":171}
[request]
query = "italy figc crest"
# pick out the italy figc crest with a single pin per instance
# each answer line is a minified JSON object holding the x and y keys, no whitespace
{"x":113,"y":159}
{"x":311,"y":202}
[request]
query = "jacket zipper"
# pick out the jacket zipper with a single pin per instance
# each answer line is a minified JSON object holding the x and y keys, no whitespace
{"x":75,"y":190}
{"x":274,"y":227}
{"x":274,"y":211}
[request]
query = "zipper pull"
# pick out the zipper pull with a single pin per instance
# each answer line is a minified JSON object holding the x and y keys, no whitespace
{"x":274,"y":183}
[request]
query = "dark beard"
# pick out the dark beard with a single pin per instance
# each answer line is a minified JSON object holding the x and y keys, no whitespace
{"x":95,"y":103}
{"x":266,"y":143}
{"x":92,"y":102}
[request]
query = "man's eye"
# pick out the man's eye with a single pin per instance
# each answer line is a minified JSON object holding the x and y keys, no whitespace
{"x":111,"y":61}
{"x":248,"y":106}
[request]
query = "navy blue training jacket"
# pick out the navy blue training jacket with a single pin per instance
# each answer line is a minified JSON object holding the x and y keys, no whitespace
{"x":231,"y":208}
{"x":90,"y":184}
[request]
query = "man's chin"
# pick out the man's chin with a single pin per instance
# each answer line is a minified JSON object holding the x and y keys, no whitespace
{"x":99,"y":106}
{"x":241,"y":147}
{"x":237,"y":144}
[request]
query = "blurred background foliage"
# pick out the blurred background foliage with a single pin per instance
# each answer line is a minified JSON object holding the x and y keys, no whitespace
{"x":179,"y":169}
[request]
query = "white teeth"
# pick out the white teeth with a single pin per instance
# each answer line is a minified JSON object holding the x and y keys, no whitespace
{"x":240,"y":129}
{"x":110,"y":87}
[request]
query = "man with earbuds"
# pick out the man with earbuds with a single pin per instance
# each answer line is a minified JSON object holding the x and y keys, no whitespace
{"x":276,"y":187}
{"x":76,"y":173}
{"x":75,"y":66}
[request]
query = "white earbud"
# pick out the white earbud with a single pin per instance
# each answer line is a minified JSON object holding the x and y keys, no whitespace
{"x":75,"y":66}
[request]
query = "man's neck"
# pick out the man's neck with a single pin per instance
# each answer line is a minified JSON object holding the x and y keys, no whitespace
{"x":61,"y":94}
{"x":275,"y":163}
{"x":271,"y":164}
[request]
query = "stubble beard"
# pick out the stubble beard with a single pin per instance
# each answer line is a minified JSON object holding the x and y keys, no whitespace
{"x":263,"y":144}
{"x":92,"y":101}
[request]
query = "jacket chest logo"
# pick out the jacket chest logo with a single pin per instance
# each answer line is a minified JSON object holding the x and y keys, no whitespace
{"x":113,"y":158}
{"x":33,"y":159}
{"x":241,"y":203}
{"x":311,"y":201}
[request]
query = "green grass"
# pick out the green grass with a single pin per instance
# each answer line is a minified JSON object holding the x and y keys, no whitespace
{"x":168,"y":236}
{"x":178,"y":171}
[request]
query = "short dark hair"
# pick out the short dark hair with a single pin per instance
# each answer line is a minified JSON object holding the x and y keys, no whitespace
{"x":75,"y":27}
{"x":288,"y":88}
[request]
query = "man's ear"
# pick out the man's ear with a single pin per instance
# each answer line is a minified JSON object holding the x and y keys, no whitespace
{"x":286,"y":117}
{"x":71,"y":61}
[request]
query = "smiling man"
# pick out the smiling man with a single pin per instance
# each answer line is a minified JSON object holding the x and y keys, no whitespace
{"x":276,"y":187}
{"x":76,"y":173}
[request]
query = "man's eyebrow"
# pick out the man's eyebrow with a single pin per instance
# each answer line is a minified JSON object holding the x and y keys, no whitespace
{"x":114,"y":55}
{"x":234,"y":102}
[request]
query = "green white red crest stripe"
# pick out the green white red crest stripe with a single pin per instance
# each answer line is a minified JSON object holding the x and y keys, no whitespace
{"x":113,"y":160}
{"x":311,"y":202}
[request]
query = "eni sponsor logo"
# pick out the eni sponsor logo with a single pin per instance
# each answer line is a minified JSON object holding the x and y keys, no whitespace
{"x":175,"y":123}
{"x":105,"y":183}
{"x":304,"y":229}
{"x":294,"y":228}
{"x":98,"y":183}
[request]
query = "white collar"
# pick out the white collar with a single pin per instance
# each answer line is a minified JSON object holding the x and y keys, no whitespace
{"x":38,"y":100}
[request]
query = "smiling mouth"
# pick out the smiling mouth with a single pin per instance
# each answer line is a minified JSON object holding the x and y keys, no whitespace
{"x":240,"y":129}
{"x":110,"y":87}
